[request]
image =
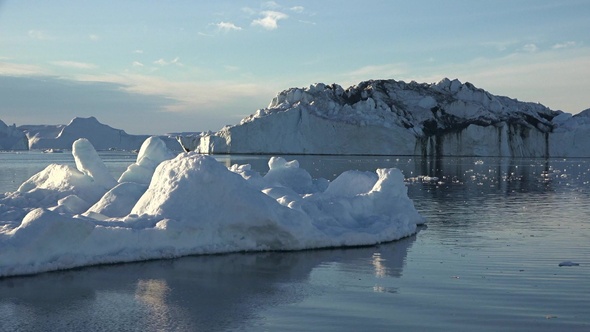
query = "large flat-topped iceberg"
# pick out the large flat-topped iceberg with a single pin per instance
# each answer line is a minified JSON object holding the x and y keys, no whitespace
{"x":388,"y":117}
{"x":168,"y":206}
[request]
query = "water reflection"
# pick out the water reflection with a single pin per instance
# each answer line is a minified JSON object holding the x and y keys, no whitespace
{"x":379,"y":264}
{"x":191,"y":293}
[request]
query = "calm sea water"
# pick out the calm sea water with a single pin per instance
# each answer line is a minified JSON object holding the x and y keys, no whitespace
{"x":487,"y":260}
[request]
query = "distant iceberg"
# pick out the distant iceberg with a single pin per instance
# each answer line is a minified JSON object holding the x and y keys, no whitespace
{"x":102,"y":136}
{"x":168,"y":206}
{"x":11,"y":138}
{"x":388,"y":117}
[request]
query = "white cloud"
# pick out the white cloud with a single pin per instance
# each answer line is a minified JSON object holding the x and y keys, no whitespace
{"x":270,"y":19}
{"x":531,"y":48}
{"x":500,"y":45}
{"x":74,"y":64}
{"x":138,"y":51}
{"x":249,"y":11}
{"x":297,"y":9}
{"x":17,"y":69}
{"x":227,"y":26}
{"x":137,"y":64}
{"x":231,"y":68}
{"x":176,"y":61}
{"x":162,"y":62}
{"x":564,"y":45}
{"x":39,"y":35}
{"x":307,"y":22}
{"x":271,"y":5}
{"x":219,"y":93}
{"x":94,"y":37}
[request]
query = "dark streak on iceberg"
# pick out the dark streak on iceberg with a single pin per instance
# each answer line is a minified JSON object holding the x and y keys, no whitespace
{"x":388,"y":117}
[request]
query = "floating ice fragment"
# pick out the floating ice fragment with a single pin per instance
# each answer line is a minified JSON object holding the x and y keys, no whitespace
{"x":568,"y":263}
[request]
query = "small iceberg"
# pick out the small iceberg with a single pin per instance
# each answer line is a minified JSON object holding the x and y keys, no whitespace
{"x":568,"y":263}
{"x":166,"y":205}
{"x":52,"y":151}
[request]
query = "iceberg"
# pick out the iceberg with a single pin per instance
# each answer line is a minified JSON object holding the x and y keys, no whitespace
{"x":102,"y":136}
{"x":11,"y":138}
{"x":167,"y":205}
{"x":388,"y":117}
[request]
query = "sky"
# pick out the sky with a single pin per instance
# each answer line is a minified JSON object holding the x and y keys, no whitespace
{"x":156,"y":67}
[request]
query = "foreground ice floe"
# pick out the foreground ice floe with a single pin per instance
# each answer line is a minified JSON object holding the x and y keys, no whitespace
{"x":165,"y":206}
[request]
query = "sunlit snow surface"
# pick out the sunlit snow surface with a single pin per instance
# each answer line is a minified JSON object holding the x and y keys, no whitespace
{"x":166,"y":206}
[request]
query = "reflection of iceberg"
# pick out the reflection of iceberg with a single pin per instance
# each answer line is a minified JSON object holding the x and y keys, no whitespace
{"x":68,"y":216}
{"x":210,"y":292}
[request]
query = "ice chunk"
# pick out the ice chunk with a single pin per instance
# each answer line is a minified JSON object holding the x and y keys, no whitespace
{"x":568,"y":263}
{"x":352,"y":183}
{"x":288,"y":174}
{"x":55,"y":182}
{"x":89,"y":163}
{"x":427,"y":102}
{"x":153,"y":151}
{"x":88,"y":182}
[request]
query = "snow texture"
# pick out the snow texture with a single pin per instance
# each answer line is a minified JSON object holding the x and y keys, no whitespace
{"x":388,"y":117}
{"x":66,"y":217}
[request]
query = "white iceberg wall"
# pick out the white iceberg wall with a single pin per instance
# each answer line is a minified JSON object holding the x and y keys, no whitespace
{"x":502,"y":139}
{"x":297,"y":131}
{"x":571,"y":135}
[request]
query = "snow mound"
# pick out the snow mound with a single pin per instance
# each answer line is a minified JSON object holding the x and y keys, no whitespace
{"x":65,"y":217}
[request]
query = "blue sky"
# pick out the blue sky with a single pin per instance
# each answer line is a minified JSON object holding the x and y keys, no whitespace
{"x":152,"y":67}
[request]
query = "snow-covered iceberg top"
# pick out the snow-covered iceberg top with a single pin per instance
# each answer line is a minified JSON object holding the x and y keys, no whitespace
{"x":424,"y":108}
{"x":165,"y":206}
{"x":388,"y":117}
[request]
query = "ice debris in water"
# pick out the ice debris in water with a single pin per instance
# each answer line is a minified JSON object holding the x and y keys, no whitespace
{"x":168,"y":206}
{"x":568,"y":263}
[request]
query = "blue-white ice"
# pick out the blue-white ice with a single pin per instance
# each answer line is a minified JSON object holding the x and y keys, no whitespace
{"x":168,"y":206}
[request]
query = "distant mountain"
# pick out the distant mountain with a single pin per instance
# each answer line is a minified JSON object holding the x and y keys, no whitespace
{"x":11,"y":138}
{"x":102,"y":137}
{"x":388,"y":117}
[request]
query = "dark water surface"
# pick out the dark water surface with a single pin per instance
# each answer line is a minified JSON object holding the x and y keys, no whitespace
{"x":488,"y":260}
